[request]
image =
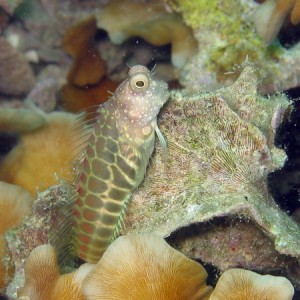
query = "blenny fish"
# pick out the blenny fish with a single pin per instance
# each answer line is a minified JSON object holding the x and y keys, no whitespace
{"x":115,"y":160}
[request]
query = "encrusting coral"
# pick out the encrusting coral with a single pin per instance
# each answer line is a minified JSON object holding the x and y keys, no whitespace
{"x":145,"y":267}
{"x":152,"y":23}
{"x":45,"y":154}
{"x":16,"y":76}
{"x":270,"y":16}
{"x":239,"y":284}
{"x":15,"y":204}
{"x":226,"y":37}
{"x":218,"y":165}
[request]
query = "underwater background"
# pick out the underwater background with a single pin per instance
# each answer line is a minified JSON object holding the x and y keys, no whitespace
{"x":149,"y":149}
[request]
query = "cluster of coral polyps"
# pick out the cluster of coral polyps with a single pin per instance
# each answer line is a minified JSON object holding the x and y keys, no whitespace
{"x":144,"y":267}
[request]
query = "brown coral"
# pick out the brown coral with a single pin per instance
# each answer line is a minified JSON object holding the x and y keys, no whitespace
{"x":75,"y":99}
{"x":239,"y":284}
{"x":88,"y":68}
{"x":45,"y":154}
{"x":152,"y":23}
{"x":145,"y":267}
{"x":87,"y":84}
{"x":43,"y":280}
{"x":16,"y":76}
{"x":271,"y":15}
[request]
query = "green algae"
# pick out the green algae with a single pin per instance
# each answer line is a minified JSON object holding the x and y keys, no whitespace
{"x":229,"y":24}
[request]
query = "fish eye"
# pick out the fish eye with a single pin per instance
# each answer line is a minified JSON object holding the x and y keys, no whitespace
{"x":139,"y":82}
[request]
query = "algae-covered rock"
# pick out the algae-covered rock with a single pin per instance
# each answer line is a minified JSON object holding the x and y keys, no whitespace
{"x":226,"y":36}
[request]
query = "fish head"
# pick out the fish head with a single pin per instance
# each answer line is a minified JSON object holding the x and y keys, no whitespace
{"x":140,"y":97}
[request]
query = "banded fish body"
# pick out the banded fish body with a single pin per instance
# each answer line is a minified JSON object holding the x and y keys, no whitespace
{"x":115,"y":160}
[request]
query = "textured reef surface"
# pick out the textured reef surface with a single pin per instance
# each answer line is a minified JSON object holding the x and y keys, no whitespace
{"x":211,"y":196}
{"x":217,"y":169}
{"x":226,"y":36}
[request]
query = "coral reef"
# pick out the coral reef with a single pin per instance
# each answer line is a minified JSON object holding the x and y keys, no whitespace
{"x":16,"y":76}
{"x":45,"y":154}
{"x":75,"y":99}
{"x":242,"y":284}
{"x":217,"y":167}
{"x":211,"y":201}
{"x":9,"y":6}
{"x":124,"y":272}
{"x":37,"y":229}
{"x":153,"y":23}
{"x":44,"y":93}
{"x":225,"y":36}
{"x":43,"y":280}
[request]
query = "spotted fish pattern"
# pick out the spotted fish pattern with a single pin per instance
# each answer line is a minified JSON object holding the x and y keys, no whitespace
{"x":115,"y":160}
